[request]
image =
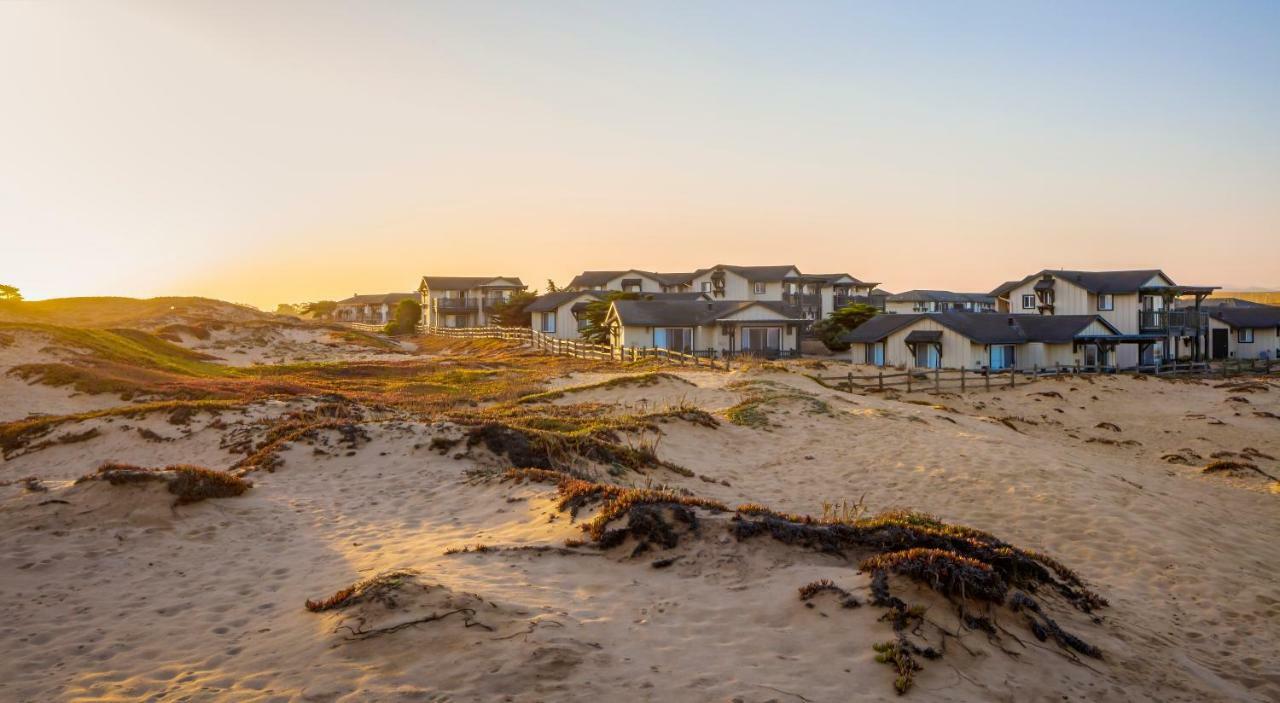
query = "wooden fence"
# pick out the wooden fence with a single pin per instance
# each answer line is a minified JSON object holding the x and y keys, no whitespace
{"x":962,"y":380}
{"x":580,"y":349}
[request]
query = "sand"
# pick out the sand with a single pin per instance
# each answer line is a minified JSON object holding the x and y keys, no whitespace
{"x":118,"y":595}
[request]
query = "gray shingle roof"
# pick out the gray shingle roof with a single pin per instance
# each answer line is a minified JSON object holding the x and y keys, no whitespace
{"x":753,"y":273}
{"x":940,"y":296}
{"x":463,"y":282}
{"x":378,"y":298}
{"x":983,"y":327}
{"x":1097,"y":281}
{"x":685,"y":313}
{"x":1261,"y":316}
{"x":551,"y":301}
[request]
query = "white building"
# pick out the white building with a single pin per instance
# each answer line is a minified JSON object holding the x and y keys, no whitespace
{"x":725,"y":327}
{"x":464,"y":301}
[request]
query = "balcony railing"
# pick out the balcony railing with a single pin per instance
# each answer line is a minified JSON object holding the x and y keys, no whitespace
{"x":801,"y":299}
{"x":457,"y":303}
{"x":1160,"y":320}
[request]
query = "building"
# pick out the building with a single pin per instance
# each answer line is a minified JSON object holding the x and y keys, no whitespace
{"x":561,"y":314}
{"x":1244,"y":332}
{"x":719,"y":327}
{"x":809,"y":296}
{"x":464,"y":301}
{"x":631,"y":281}
{"x":374,"y":309}
{"x":939,"y":301}
{"x":974,"y":340}
{"x":1138,"y":304}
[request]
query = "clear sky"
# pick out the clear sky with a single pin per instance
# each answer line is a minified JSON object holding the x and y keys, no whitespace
{"x":265,"y":152}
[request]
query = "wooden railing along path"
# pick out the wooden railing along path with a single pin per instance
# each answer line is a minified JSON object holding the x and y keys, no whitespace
{"x":963,"y":380}
{"x":580,"y":349}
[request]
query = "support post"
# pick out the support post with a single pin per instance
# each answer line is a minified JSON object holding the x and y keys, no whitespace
{"x":962,"y":379}
{"x":937,"y":379}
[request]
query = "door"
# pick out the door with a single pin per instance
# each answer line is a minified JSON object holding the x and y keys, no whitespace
{"x":927,"y":356}
{"x":761,"y":340}
{"x":1091,"y":360}
{"x":1220,"y":344}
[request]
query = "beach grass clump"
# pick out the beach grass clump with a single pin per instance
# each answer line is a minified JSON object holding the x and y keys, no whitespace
{"x":811,"y":590}
{"x":948,"y":573}
{"x":379,"y":588}
{"x":190,"y":484}
{"x":899,"y":657}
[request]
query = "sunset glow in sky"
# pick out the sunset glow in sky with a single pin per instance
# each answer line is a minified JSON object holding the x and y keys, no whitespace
{"x":278,"y":152}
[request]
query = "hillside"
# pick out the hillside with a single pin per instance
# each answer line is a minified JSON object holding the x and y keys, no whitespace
{"x":125,"y":312}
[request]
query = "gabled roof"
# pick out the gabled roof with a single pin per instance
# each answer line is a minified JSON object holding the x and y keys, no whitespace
{"x":552,"y":301}
{"x":1004,"y":289}
{"x":378,"y":298}
{"x":983,"y":327}
{"x":837,"y":277}
{"x":588,"y":279}
{"x":686,"y":313}
{"x":1099,"y":281}
{"x":675,"y":279}
{"x":465,"y":282}
{"x":1261,"y":316}
{"x":939,"y":296}
{"x":754,"y":273}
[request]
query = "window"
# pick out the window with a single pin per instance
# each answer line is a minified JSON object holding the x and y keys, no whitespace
{"x":761,"y":338}
{"x":673,"y":338}
{"x":1106,"y":301}
{"x":1244,"y":335}
{"x":1029,"y":301}
{"x":631,"y":287}
{"x":706,"y":286}
{"x":758,"y":288}
{"x":875,"y":354}
{"x":1002,"y":356}
{"x":549,"y":322}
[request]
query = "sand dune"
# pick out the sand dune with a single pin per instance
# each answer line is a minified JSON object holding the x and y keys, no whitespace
{"x":117,"y":594}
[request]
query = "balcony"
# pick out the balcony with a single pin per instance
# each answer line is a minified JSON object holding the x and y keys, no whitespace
{"x":457,"y":304}
{"x":1172,"y":320}
{"x":801,"y":299}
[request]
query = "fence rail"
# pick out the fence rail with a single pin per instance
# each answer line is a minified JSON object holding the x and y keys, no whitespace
{"x":963,"y":380}
{"x":580,"y":349}
{"x":365,"y":326}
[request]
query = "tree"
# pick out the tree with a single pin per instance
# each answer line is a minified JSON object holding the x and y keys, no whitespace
{"x":407,"y":315}
{"x":511,"y":313}
{"x":595,"y":313}
{"x":286,"y":309}
{"x":319,"y":309}
{"x":9,"y":293}
{"x":841,"y":322}
{"x":552,"y":287}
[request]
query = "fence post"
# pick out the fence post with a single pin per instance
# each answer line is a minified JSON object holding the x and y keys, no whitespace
{"x":937,"y":379}
{"x":910,"y":373}
{"x":850,"y":381}
{"x":962,"y":379}
{"x":881,"y":380}
{"x":1013,"y":377}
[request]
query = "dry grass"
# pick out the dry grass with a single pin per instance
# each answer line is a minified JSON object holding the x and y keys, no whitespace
{"x":191,"y":484}
{"x":375,"y":588}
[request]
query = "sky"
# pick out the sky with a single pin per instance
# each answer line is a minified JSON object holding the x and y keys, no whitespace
{"x":268,"y":152}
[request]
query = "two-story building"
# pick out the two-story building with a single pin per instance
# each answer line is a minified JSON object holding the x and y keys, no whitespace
{"x":939,"y":301}
{"x":632,"y":281}
{"x":464,"y":301}
{"x":373,"y":309}
{"x":1138,"y":304}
